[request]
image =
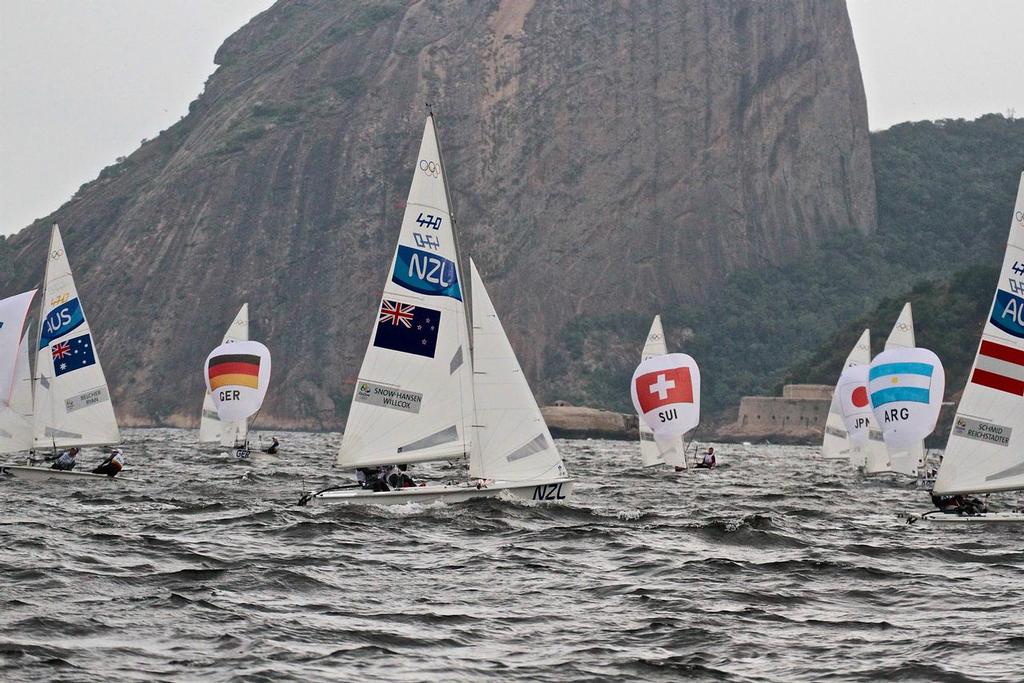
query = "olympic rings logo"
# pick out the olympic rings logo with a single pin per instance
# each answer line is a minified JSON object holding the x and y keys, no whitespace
{"x":56,"y":254}
{"x":655,"y":337}
{"x":903,"y":327}
{"x":62,"y":299}
{"x":1019,"y":216}
{"x":431,"y":168}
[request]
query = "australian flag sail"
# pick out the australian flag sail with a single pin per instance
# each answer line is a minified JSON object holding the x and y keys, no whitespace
{"x":406,"y":328}
{"x":72,"y":355}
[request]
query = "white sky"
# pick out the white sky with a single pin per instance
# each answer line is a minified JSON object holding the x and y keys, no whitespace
{"x":83,"y":81}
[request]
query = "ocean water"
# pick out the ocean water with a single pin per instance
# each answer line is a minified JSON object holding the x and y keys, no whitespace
{"x":777,"y":566}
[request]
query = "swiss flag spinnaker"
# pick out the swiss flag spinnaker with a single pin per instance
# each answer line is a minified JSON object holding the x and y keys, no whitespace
{"x":666,"y":394}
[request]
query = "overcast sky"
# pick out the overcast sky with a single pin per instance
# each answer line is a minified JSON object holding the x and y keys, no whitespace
{"x":83,"y":81}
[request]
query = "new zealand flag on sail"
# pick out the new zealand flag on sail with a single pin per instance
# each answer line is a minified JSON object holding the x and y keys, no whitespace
{"x":73,"y":354}
{"x":61,"y":320}
{"x":409,"y":329}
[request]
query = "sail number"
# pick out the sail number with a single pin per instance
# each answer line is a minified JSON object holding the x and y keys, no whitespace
{"x":548,"y":492}
{"x":429,"y":221}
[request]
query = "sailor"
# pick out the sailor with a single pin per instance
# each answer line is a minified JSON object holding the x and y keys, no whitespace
{"x":959,"y":505}
{"x":66,"y":460}
{"x":272,"y":448}
{"x":112,"y":465}
{"x":709,"y":461}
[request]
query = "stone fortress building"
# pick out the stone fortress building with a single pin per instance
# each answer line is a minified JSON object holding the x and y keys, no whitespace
{"x":798,"y":416}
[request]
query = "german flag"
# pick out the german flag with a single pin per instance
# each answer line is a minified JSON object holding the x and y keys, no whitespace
{"x":238,"y":370}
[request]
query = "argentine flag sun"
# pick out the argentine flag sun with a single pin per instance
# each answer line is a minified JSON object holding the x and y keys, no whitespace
{"x":906,"y":387}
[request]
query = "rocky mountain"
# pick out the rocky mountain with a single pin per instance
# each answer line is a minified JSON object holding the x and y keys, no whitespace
{"x":606,"y":158}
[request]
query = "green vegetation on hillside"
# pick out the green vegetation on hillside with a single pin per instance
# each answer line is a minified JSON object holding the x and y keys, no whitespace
{"x":945,"y":195}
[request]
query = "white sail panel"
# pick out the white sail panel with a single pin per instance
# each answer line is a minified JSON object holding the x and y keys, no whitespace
{"x":413,"y":399}
{"x":513,"y":439}
{"x":653,"y":452}
{"x":836,"y":442}
{"x":985,"y":451}
{"x":13,"y":312}
{"x":16,"y":411}
{"x":72,"y":400}
{"x":210,"y":427}
{"x":905,"y":461}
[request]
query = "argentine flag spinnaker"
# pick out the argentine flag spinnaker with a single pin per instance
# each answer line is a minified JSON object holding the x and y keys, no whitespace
{"x":905,"y":386}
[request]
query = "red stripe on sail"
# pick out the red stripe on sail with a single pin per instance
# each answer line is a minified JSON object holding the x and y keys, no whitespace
{"x":998,"y":382}
{"x":1000,"y":352}
{"x":234,"y":369}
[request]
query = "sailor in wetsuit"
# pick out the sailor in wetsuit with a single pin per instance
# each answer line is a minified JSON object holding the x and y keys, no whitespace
{"x":709,"y":461}
{"x":66,"y":460}
{"x":959,"y":505}
{"x":112,"y":465}
{"x":272,"y":448}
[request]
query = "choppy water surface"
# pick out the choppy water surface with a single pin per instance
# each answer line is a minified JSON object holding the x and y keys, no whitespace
{"x":778,"y":567}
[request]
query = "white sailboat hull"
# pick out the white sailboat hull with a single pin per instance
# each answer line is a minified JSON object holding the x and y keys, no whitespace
{"x":933,"y":517}
{"x":557,"y":491}
{"x":31,"y":473}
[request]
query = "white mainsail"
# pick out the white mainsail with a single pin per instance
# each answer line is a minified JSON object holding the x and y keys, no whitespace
{"x":836,"y":442}
{"x":985,"y":451}
{"x":413,"y":399}
{"x":211,"y":428}
{"x":655,"y":452}
{"x":15,"y":375}
{"x":906,"y":461}
{"x":512,"y":441}
{"x":72,"y":401}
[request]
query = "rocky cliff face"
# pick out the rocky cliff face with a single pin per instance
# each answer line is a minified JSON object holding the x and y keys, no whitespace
{"x":604,"y":157}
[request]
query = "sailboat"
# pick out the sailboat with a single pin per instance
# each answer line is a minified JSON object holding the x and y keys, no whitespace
{"x":211,"y":429}
{"x":883,"y":460}
{"x":71,"y":400}
{"x":651,"y":452}
{"x":428,"y":390}
{"x":15,"y":374}
{"x":985,"y":450}
{"x":836,"y":443}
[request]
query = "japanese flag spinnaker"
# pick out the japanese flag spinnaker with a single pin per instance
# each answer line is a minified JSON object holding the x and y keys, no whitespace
{"x":666,"y":394}
{"x":237,"y":375}
{"x":906,"y":386}
{"x":854,"y":403}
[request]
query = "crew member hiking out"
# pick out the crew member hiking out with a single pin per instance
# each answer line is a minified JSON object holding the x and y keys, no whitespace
{"x":66,"y":461}
{"x":112,"y":465}
{"x":709,"y":461}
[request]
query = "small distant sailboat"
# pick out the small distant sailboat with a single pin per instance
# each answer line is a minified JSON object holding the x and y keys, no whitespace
{"x":428,"y":390}
{"x":836,"y":443}
{"x":985,"y":450}
{"x":72,"y":404}
{"x":237,"y":376}
{"x":211,"y":429}
{"x":15,"y":374}
{"x":884,"y":460}
{"x":652,"y":453}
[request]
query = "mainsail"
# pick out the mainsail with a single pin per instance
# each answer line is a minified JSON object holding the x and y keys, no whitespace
{"x":15,"y":375}
{"x":985,"y":451}
{"x":413,"y":399}
{"x":905,"y":461}
{"x":512,"y":440}
{"x":72,"y":401}
{"x":836,"y":442}
{"x":657,"y":452}
{"x":211,"y":429}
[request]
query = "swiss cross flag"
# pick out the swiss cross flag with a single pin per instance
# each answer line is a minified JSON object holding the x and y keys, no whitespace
{"x":663,"y":387}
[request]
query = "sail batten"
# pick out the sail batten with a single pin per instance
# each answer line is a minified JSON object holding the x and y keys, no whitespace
{"x":985,"y":450}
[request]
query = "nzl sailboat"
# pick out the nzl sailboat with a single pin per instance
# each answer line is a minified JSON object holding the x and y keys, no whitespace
{"x":653,"y":453}
{"x":428,"y":390}
{"x":211,"y":429}
{"x":72,"y":402}
{"x":985,"y":451}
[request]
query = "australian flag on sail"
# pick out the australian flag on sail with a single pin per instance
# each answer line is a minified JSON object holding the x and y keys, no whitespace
{"x":73,"y":354}
{"x":406,"y":328}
